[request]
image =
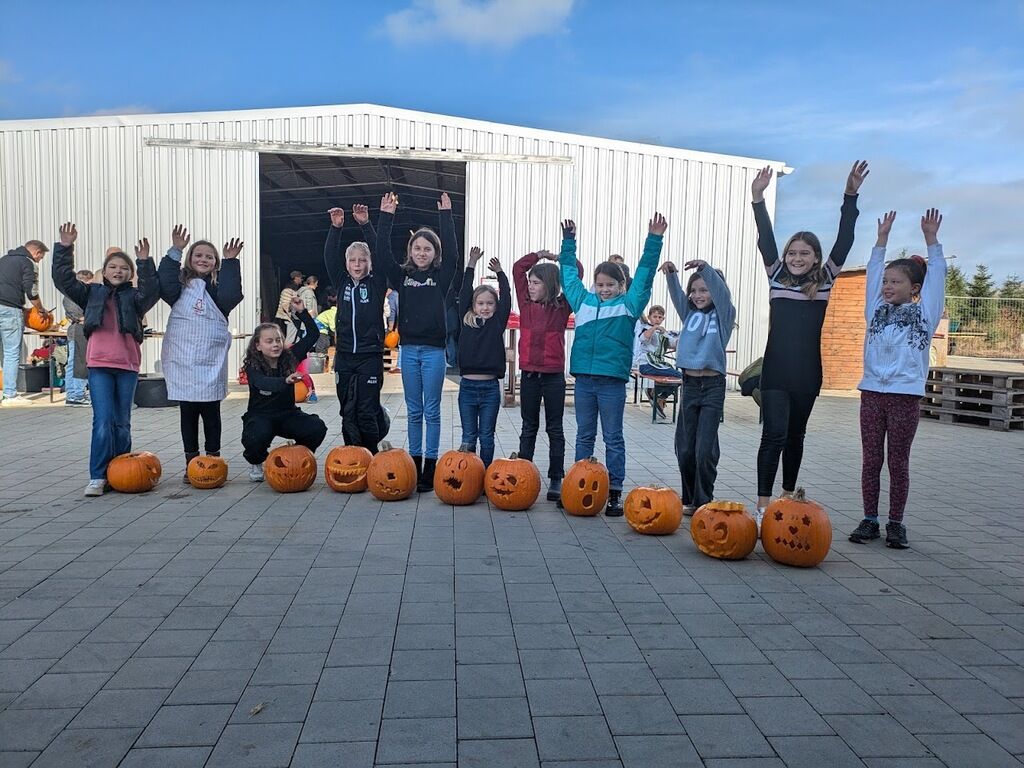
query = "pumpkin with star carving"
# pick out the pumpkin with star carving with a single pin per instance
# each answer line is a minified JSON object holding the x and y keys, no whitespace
{"x":796,"y":531}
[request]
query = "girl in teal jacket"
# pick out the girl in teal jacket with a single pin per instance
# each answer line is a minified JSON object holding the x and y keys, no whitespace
{"x":602,"y":347}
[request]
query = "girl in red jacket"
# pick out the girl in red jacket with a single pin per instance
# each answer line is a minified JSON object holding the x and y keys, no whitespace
{"x":543,"y":317}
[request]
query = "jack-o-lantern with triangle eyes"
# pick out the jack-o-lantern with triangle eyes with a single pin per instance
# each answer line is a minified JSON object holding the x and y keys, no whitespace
{"x":391,"y":475}
{"x":290,"y":468}
{"x":345,"y":468}
{"x":585,"y":488}
{"x":653,"y":510}
{"x":459,"y":478}
{"x":724,"y":529}
{"x":796,"y":531}
{"x":134,"y":472}
{"x":207,"y":472}
{"x":512,"y":484}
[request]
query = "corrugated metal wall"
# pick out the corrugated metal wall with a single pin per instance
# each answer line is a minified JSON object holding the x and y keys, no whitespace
{"x":98,"y":172}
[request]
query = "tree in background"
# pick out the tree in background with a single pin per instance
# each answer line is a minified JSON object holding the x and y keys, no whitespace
{"x":982,"y":286}
{"x":1013,"y":288}
{"x":956,"y":281}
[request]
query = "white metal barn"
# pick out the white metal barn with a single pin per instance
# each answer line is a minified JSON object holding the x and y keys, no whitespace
{"x":268,"y":176}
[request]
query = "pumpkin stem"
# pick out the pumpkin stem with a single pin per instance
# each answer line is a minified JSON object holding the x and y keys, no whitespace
{"x":799,"y":495}
{"x":513,"y":456}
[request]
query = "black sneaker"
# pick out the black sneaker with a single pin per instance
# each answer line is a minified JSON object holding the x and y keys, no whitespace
{"x":896,"y":536}
{"x":555,"y":490}
{"x":614,"y":508}
{"x":866,"y":531}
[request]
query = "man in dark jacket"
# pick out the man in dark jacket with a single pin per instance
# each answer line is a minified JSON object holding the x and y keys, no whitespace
{"x":18,"y":281}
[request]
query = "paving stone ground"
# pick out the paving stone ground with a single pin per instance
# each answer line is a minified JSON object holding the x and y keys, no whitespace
{"x":239,"y":627}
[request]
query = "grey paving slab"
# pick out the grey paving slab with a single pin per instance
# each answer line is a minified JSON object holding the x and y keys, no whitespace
{"x":255,"y":746}
{"x":186,"y":725}
{"x":578,"y":737}
{"x":121,"y":709}
{"x":88,"y":748}
{"x":815,"y":751}
{"x":410,"y":740}
{"x":657,"y":751}
{"x":498,"y":753}
{"x":166,"y":757}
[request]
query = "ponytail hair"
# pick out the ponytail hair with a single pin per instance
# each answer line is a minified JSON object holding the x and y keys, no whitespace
{"x":915,"y":268}
{"x":470,"y":319}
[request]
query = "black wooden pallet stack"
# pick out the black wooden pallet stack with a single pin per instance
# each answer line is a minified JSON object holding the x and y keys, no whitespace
{"x":991,"y":399}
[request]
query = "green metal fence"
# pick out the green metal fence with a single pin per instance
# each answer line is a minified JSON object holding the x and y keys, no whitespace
{"x":985,"y":327}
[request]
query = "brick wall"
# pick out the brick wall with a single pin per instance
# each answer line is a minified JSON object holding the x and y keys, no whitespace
{"x":842,"y":337}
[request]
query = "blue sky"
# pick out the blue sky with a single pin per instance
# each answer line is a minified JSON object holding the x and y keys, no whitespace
{"x":932,"y":93}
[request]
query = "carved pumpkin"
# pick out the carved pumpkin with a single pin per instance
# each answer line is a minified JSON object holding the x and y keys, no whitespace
{"x":301,"y":391}
{"x":38,"y":321}
{"x":391,"y":339}
{"x":391,"y":475}
{"x":459,"y":478}
{"x":206,"y":472}
{"x":154,"y":462}
{"x":585,"y":488}
{"x":345,"y":468}
{"x":512,"y":484}
{"x":724,"y":529}
{"x":796,"y":531}
{"x":133,"y":473}
{"x":653,"y":510}
{"x":290,"y":468}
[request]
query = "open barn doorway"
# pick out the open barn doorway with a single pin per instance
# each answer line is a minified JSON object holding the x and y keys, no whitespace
{"x":297,"y":190}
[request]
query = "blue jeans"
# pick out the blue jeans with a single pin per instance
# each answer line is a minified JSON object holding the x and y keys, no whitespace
{"x":697,"y":449}
{"x":113,"y":391}
{"x":423,"y":370}
{"x":479,"y":401}
{"x":74,"y":389}
{"x":604,"y":397}
{"x":12,"y":327}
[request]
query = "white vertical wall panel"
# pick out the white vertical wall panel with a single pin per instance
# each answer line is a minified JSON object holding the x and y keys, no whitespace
{"x":98,"y":172}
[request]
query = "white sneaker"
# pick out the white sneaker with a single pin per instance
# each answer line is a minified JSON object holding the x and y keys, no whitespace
{"x":14,"y":402}
{"x":256,"y":473}
{"x":95,"y":487}
{"x":759,"y":516}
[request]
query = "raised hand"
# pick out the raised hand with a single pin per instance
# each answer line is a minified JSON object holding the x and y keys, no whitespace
{"x":884,"y":228}
{"x":858,"y":173}
{"x":180,"y":238}
{"x":232,"y":248}
{"x":494,"y":265}
{"x":475,"y":254}
{"x":667,"y":268}
{"x":337,"y":217}
{"x":546,"y":254}
{"x":694,"y":264}
{"x":930,"y":223}
{"x":657,"y":225}
{"x":568,"y":229}
{"x":761,"y":182}
{"x":389,"y":203}
{"x":142,"y":249}
{"x":68,"y":234}
{"x":291,"y":378}
{"x":297,"y":305}
{"x":360,"y":213}
{"x":445,"y":204}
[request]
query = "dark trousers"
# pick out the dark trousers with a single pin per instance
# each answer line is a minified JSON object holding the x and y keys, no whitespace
{"x":548,"y":388}
{"x":479,"y":403}
{"x":259,"y":431}
{"x":190,"y":414}
{"x":887,"y":418}
{"x":782,"y":434}
{"x":697,"y":448}
{"x":359,"y":379}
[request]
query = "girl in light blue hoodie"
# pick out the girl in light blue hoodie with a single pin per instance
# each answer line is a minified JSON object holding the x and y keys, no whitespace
{"x":708,"y":316}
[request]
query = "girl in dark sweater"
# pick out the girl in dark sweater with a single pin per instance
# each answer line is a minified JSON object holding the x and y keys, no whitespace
{"x":800,"y":283}
{"x":422,"y":278}
{"x":272,"y":412}
{"x":482,"y":355}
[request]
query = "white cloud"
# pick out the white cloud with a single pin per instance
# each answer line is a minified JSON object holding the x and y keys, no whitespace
{"x":501,"y":23}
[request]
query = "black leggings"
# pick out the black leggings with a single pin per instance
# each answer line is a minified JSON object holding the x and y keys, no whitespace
{"x":190,"y":415}
{"x":785,"y":423}
{"x":549,"y":388}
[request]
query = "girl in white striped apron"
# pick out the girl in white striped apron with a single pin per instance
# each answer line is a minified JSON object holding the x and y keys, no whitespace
{"x":202,"y":290}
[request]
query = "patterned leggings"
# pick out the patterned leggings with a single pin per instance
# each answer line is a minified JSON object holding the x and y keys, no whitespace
{"x":895,"y":416}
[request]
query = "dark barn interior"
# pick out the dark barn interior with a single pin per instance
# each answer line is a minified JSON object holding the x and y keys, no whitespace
{"x":297,"y":190}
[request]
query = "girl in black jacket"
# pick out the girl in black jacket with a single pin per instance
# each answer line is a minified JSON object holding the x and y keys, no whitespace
{"x":272,"y":412}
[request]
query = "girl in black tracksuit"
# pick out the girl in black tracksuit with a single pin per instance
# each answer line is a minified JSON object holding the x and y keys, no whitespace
{"x":800,"y":283}
{"x":422,"y":278}
{"x":361,"y":280}
{"x":272,"y":411}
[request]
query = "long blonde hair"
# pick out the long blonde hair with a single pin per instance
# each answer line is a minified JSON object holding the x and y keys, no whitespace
{"x":812,"y":280}
{"x":470,"y":319}
{"x":187,"y":273}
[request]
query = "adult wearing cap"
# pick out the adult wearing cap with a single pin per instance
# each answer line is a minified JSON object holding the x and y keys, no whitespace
{"x":18,"y":281}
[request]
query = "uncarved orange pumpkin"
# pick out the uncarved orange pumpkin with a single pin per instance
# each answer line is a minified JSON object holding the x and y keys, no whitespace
{"x":290,"y":468}
{"x":38,"y":321}
{"x":459,"y":478}
{"x":133,"y":473}
{"x":301,"y":391}
{"x":585,"y":488}
{"x":724,"y":529}
{"x":391,"y":339}
{"x":512,"y":484}
{"x":796,"y":531}
{"x":345,"y":468}
{"x":653,"y":510}
{"x":391,"y":475}
{"x":207,"y":472}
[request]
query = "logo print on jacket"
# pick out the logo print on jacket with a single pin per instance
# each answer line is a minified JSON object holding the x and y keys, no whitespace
{"x":199,"y":308}
{"x":902,"y":316}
